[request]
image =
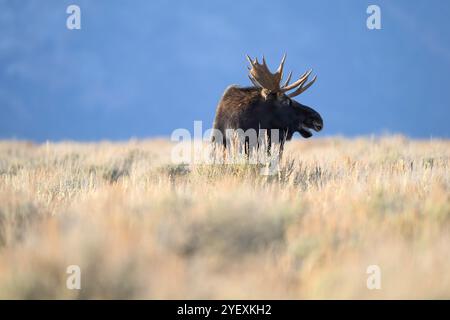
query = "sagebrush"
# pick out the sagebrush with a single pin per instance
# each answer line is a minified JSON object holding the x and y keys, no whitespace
{"x":140,"y":226}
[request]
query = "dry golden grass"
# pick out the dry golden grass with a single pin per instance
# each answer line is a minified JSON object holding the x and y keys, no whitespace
{"x":141,"y":227}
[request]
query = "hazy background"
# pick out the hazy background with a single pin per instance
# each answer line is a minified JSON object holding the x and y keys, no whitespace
{"x":144,"y":68}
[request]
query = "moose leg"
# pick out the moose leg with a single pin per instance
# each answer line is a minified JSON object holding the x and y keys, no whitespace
{"x":247,"y":149}
{"x":269,"y":145}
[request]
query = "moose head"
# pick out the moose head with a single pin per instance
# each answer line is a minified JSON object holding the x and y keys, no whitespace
{"x":279,"y":105}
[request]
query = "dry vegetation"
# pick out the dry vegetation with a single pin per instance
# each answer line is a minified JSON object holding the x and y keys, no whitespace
{"x":141,"y":227}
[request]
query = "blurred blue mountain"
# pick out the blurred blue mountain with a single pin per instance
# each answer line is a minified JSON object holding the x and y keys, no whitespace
{"x":143,"y":68}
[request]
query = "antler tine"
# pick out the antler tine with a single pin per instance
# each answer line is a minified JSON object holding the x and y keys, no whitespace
{"x":255,"y":83}
{"x":281,"y":66}
{"x":264,"y":63}
{"x":287,"y":80}
{"x":249,"y":59}
{"x":266,"y":68}
{"x":297,"y":83}
{"x":253,"y":62}
{"x":302,"y":88}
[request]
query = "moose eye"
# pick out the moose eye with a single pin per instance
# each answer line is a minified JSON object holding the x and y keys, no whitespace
{"x":286,"y":102}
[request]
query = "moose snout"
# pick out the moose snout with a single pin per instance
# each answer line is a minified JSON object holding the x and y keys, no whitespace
{"x":318,"y":125}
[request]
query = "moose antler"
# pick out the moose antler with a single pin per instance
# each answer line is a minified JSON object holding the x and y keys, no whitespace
{"x":261,"y":77}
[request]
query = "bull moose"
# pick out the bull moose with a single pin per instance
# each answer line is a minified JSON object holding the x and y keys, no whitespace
{"x":266,"y":105}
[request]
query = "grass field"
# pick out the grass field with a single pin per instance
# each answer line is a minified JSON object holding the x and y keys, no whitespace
{"x":139,"y":226}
